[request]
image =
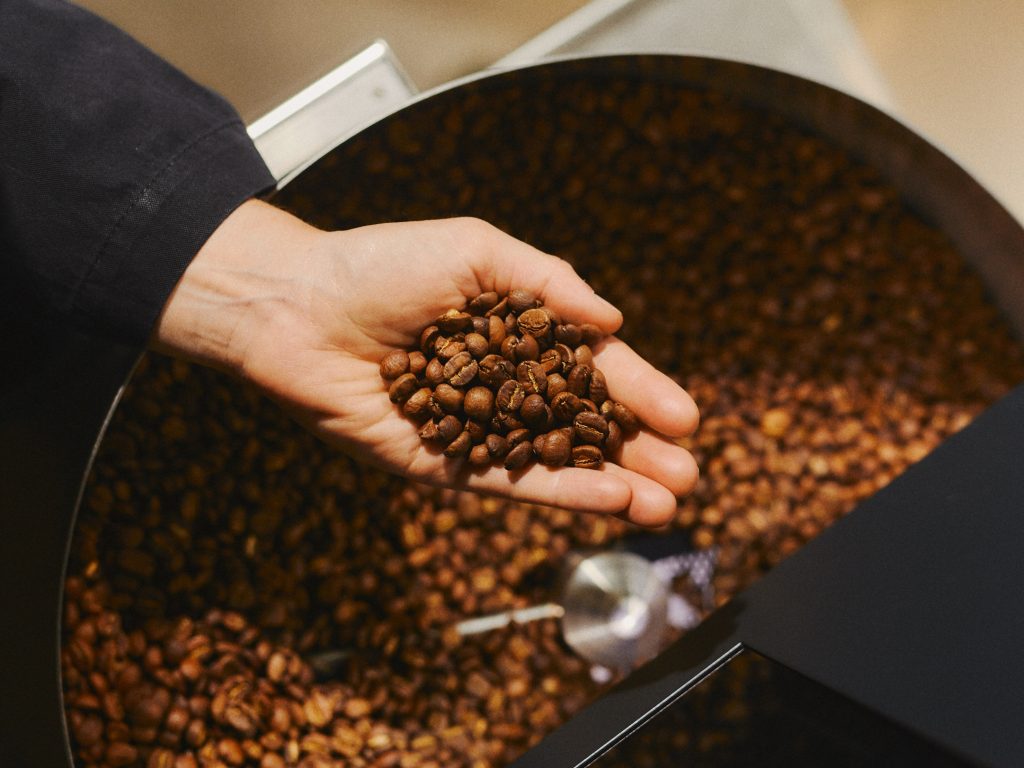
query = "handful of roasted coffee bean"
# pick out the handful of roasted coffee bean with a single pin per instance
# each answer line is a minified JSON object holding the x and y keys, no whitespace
{"x":506,"y":380}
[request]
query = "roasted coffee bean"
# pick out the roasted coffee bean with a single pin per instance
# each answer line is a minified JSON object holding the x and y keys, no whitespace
{"x":567,"y":355}
{"x":584,"y":355}
{"x":434,"y":372}
{"x":503,"y":422}
{"x":591,"y":334}
{"x":495,"y":333}
{"x":510,"y":396}
{"x":589,"y":427}
{"x":429,"y":432}
{"x":551,"y":361}
{"x":565,"y":406}
{"x":476,"y":345}
{"x":481,"y":326}
{"x":448,"y":347}
{"x":556,"y":449}
{"x":449,"y":398}
{"x":535,"y":413}
{"x":497,"y":446}
{"x":556,"y":385}
{"x":516,"y":436}
{"x":394,"y":364}
{"x":448,"y":428}
{"x":496,"y":370}
{"x":568,"y":334}
{"x":460,"y":370}
{"x":520,"y":300}
{"x":479,"y":456}
{"x":613,"y":440}
{"x":533,"y":378}
{"x":538,"y":444}
{"x":479,"y":404}
{"x":483,"y":303}
{"x":528,"y":349}
{"x":606,"y":408}
{"x":587,"y":457}
{"x":477,"y":431}
{"x":598,"y":387}
{"x":534,"y":322}
{"x":459,"y":446}
{"x":420,"y":404}
{"x":402,"y":388}
{"x":626,"y":419}
{"x":428,"y":339}
{"x":589,"y":405}
{"x":578,"y":380}
{"x":510,"y":348}
{"x":417,"y":363}
{"x":454,"y":321}
{"x":519,"y":456}
{"x":498,"y":310}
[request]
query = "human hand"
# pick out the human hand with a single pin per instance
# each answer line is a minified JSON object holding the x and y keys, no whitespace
{"x":307,"y":315}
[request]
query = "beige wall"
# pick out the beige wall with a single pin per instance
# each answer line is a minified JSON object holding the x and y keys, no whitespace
{"x":259,"y":52}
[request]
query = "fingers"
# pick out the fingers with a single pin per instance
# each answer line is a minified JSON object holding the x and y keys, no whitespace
{"x":511,"y":263}
{"x":662,"y":461}
{"x":580,"y":490}
{"x":651,"y":503}
{"x":657,"y":400}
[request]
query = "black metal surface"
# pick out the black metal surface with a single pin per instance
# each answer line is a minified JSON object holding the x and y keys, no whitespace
{"x":49,"y":423}
{"x":906,"y":606}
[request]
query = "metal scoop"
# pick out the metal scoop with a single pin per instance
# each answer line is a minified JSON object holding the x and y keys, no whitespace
{"x":613,"y":609}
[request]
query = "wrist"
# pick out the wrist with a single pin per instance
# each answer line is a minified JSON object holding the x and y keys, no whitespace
{"x":236,"y":284}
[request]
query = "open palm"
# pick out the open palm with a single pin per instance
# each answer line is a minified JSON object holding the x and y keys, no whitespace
{"x":312,"y":337}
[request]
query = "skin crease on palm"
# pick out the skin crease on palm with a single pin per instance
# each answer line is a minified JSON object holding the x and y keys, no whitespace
{"x":306,"y":315}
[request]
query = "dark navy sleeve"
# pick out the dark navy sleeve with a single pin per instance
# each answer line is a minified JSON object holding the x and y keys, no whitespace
{"x":114,"y":169}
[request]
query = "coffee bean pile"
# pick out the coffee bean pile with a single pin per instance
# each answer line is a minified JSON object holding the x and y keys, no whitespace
{"x":829,"y":335}
{"x":505,"y":380}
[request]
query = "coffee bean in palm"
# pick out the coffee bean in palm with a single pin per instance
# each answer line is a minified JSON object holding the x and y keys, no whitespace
{"x":495,"y":370}
{"x":534,"y":322}
{"x":447,"y":347}
{"x":476,"y":345}
{"x":454,"y":321}
{"x":584,"y":355}
{"x":477,"y":431}
{"x":535,"y":412}
{"x":569,"y":334}
{"x":479,"y":404}
{"x":589,"y":427}
{"x":510,"y":396}
{"x":420,"y":404}
{"x":434,"y":372}
{"x":481,"y":326}
{"x":497,"y":445}
{"x":417,"y":362}
{"x":556,"y":449}
{"x":626,"y":419}
{"x":551,"y":361}
{"x":520,"y":300}
{"x":565,"y":406}
{"x":519,"y":456}
{"x":613,"y":440}
{"x":479,"y":456}
{"x":401,"y":389}
{"x":517,"y":436}
{"x":459,"y":446}
{"x":394,"y":364}
{"x":428,"y":339}
{"x":482,"y":303}
{"x":499,"y":310}
{"x":532,"y":376}
{"x":578,"y":380}
{"x":587,"y":457}
{"x":495,"y":333}
{"x":460,"y":370}
{"x":556,"y":385}
{"x":598,"y":387}
{"x":591,"y":334}
{"x":449,"y":398}
{"x":448,"y":428}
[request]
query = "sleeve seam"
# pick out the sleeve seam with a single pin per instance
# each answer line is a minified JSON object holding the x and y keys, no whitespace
{"x":147,"y":187}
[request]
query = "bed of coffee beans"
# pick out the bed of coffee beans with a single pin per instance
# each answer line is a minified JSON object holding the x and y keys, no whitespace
{"x":239,"y":594}
{"x":504,"y":380}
